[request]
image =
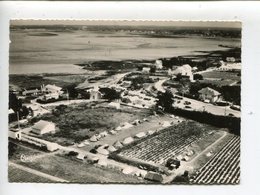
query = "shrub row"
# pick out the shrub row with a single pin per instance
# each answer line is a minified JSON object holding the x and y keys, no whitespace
{"x":232,"y":123}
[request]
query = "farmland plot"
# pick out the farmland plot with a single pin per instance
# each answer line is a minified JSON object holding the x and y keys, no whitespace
{"x":168,"y":143}
{"x":223,"y":167}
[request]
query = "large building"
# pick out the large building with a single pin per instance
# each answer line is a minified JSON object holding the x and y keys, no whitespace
{"x":43,"y":127}
{"x":208,"y":94}
{"x":184,"y":71}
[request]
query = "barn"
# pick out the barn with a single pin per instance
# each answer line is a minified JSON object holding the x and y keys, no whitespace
{"x":43,"y":127}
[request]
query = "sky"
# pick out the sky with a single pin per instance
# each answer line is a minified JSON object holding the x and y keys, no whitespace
{"x":216,"y":24}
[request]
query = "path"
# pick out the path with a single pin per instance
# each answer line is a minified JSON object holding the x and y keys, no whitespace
{"x":38,"y":173}
{"x":207,"y":148}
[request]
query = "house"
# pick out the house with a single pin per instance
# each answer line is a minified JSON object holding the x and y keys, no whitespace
{"x":51,"y":89}
{"x":153,"y":176}
{"x":184,"y":70}
{"x":230,"y":59}
{"x":31,"y":92}
{"x":43,"y":127}
{"x":158,"y":64}
{"x":11,"y":111}
{"x":208,"y":94}
{"x":146,"y":70}
{"x":95,"y":94}
{"x":15,"y":134}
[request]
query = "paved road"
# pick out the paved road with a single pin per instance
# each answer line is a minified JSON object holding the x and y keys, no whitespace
{"x":38,"y":173}
{"x":202,"y":106}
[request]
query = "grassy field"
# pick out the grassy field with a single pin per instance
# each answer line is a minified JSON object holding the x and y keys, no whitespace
{"x":222,"y":77}
{"x":78,"y":172}
{"x":17,"y":175}
{"x":65,"y":168}
{"x":79,"y":122}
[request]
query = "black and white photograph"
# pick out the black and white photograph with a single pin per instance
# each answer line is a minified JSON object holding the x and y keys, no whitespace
{"x":124,"y":102}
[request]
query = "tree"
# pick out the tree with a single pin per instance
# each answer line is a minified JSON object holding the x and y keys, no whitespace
{"x":165,"y":100}
{"x":73,"y":93}
{"x":14,"y":102}
{"x":110,"y":94}
{"x":197,"y":77}
{"x":153,"y":69}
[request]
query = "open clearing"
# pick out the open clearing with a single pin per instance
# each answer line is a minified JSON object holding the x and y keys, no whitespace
{"x":79,"y":122}
{"x":19,"y":175}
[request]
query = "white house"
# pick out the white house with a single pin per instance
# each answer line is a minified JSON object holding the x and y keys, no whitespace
{"x":43,"y":127}
{"x":184,"y":70}
{"x":146,"y":70}
{"x":95,"y":94}
{"x":208,"y":94}
{"x":52,"y":89}
{"x":158,"y":64}
{"x":15,"y":134}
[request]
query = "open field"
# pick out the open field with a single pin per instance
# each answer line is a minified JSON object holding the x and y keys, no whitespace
{"x":66,"y":168}
{"x":221,"y":77}
{"x":79,"y":122}
{"x":18,"y":175}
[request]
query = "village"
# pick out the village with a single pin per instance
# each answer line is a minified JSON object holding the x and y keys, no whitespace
{"x":138,"y":124}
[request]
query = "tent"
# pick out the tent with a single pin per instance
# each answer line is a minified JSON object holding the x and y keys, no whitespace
{"x":140,"y":135}
{"x":166,"y":124}
{"x":113,"y":132}
{"x":104,"y":134}
{"x":118,"y":144}
{"x":80,"y":156}
{"x":136,"y":122}
{"x":126,"y":125}
{"x":150,"y":132}
{"x":102,"y":163}
{"x":152,"y":176}
{"x":86,"y":142}
{"x":93,"y":139}
{"x":128,"y":140}
{"x":92,"y":159}
{"x":128,"y":170}
{"x":111,"y":149}
{"x":114,"y":105}
{"x":118,"y":128}
{"x":102,"y":151}
{"x":141,"y":173}
{"x":81,"y":145}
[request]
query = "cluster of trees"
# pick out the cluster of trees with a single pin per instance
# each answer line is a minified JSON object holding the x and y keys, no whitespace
{"x":137,"y":82}
{"x":110,"y":94}
{"x":19,"y":109}
{"x":165,"y":100}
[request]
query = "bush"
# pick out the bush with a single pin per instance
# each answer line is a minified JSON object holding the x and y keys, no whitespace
{"x":230,"y":122}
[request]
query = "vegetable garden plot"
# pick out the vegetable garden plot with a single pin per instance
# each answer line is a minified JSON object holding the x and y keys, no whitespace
{"x":223,"y":167}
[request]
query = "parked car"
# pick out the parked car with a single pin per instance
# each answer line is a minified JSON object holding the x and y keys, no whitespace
{"x":187,"y":103}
